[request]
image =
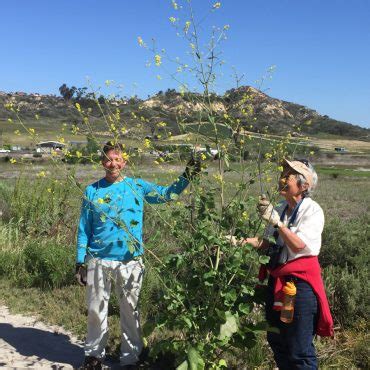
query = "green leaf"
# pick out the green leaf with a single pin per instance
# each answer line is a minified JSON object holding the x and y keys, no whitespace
{"x":195,"y":360}
{"x":222,"y":363}
{"x":187,"y":321}
{"x":229,"y":327}
{"x":183,"y":366}
{"x":264,"y":259}
{"x":103,"y":218}
{"x":174,"y":196}
{"x":244,"y":308}
{"x":148,"y":328}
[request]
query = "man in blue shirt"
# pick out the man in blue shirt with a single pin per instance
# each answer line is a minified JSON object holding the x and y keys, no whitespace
{"x":109,"y":247}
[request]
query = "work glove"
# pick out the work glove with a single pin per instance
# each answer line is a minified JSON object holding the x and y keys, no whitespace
{"x":267,"y":212}
{"x":193,"y":168}
{"x":81,"y":274}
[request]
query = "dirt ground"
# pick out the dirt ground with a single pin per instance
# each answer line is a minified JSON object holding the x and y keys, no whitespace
{"x":27,"y":343}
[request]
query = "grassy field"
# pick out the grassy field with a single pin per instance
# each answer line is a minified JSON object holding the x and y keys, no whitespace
{"x":344,"y":195}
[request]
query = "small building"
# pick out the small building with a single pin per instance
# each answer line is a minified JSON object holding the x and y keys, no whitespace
{"x":49,"y":146}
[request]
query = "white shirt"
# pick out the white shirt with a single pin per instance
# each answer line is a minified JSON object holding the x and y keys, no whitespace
{"x":308,"y":225}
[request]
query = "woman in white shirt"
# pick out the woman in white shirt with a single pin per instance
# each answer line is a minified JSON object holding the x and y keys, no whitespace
{"x":296,"y":224}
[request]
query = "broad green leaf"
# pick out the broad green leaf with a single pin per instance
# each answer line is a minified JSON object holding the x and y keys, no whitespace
{"x":244,"y":308}
{"x":222,"y":363}
{"x":229,"y":327}
{"x":195,"y":360}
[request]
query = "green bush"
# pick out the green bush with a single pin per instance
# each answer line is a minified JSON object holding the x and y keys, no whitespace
{"x":345,"y":259}
{"x":345,"y":243}
{"x":48,"y":264}
{"x":348,"y":294}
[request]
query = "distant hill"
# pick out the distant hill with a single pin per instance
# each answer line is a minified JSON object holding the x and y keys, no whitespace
{"x":262,"y":111}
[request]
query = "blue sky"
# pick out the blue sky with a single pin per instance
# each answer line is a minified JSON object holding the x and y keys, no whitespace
{"x":321,"y":49}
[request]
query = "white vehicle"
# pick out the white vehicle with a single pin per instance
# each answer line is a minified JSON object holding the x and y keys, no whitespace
{"x":4,"y":150}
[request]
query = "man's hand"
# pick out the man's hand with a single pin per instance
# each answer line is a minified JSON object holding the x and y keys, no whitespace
{"x":192,"y":168}
{"x":267,"y":212}
{"x":81,"y":274}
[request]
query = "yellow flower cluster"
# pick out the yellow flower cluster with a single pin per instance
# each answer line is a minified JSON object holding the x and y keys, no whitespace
{"x":147,"y":143}
{"x":158,"y":60}
{"x":216,"y":5}
{"x":187,"y":26}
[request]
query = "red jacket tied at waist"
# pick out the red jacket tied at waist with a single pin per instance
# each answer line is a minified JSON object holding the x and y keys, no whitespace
{"x":309,"y":270}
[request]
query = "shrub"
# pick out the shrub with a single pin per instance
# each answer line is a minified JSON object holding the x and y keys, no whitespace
{"x":48,"y":264}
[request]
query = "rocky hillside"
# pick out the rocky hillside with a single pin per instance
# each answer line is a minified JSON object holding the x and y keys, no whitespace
{"x":255,"y":109}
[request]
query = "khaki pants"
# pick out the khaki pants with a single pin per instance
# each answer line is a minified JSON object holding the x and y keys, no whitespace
{"x":127,"y":277}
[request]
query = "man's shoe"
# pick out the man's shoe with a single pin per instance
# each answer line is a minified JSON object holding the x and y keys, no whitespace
{"x":92,"y":363}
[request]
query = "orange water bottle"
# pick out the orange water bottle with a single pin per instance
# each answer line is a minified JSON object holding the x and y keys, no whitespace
{"x":287,"y":311}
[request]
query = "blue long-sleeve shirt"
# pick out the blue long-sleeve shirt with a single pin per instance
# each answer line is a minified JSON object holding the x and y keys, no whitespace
{"x":111,"y":219}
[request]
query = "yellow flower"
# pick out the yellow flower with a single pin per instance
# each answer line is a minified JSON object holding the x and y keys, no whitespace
{"x":49,"y":190}
{"x":280,"y":168}
{"x":10,"y":120}
{"x":172,"y":19}
{"x":161,"y":124}
{"x":187,"y":25}
{"x":218,"y":177}
{"x":312,"y":152}
{"x":41,"y":174}
{"x":203,"y":157}
{"x":78,"y":154}
{"x":216,"y":5}
{"x":158,"y":60}
{"x":226,"y":27}
{"x":12,"y":160}
{"x":17,"y":132}
{"x":140,"y":41}
{"x":78,"y":106}
{"x":37,"y":116}
{"x":174,"y":4}
{"x":125,"y":156}
{"x":108,"y":82}
{"x":147,"y":143}
{"x":100,"y":200}
{"x":32,"y":131}
{"x":159,"y":77}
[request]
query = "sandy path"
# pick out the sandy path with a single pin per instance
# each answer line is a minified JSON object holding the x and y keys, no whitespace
{"x":27,"y":343}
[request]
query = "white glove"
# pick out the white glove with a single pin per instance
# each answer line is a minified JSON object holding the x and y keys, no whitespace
{"x":268,"y":213}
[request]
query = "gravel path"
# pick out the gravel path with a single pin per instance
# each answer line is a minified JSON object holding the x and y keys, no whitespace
{"x":25,"y":342}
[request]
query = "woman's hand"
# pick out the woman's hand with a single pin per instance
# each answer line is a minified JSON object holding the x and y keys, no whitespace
{"x":254,"y":242}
